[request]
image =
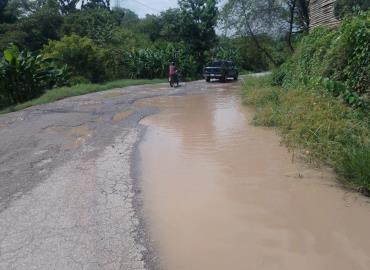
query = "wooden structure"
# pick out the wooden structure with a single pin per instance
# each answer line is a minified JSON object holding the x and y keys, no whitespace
{"x":322,"y":13}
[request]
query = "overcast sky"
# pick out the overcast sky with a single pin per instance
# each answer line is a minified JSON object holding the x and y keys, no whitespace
{"x":143,"y":7}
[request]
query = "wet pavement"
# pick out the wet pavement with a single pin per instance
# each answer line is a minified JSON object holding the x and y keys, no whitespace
{"x":150,"y":177}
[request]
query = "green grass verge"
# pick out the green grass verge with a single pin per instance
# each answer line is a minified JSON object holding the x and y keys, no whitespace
{"x":244,"y":72}
{"x":77,"y":90}
{"x":322,"y":126}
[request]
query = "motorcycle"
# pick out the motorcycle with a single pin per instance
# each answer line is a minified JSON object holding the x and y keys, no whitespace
{"x":175,"y":79}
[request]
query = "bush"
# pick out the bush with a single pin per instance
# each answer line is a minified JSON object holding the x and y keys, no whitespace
{"x":82,"y":56}
{"x":74,"y":80}
{"x":24,"y":76}
{"x":355,"y":167}
{"x":11,"y":34}
{"x":340,"y":55}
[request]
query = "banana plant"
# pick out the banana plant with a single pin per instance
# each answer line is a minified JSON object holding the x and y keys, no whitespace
{"x":153,"y":62}
{"x":24,"y":76}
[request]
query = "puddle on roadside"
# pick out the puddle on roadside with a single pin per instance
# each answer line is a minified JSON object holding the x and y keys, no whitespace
{"x":223,"y":194}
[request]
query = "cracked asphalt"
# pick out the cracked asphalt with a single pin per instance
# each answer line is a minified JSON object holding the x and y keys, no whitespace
{"x":70,"y":195}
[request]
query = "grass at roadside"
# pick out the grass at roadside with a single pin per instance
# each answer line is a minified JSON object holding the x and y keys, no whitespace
{"x":244,"y":72}
{"x":322,"y":126}
{"x":76,"y":90}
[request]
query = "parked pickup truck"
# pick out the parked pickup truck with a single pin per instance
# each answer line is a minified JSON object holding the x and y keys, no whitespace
{"x":221,"y":70}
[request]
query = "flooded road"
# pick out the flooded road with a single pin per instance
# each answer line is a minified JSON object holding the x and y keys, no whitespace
{"x":223,"y":194}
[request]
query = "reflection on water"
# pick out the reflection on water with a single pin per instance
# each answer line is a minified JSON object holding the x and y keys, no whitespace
{"x":222,"y":194}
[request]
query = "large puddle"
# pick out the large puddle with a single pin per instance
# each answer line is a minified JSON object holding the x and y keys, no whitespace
{"x":223,"y":194}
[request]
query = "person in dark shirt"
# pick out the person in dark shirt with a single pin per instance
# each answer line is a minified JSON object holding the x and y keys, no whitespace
{"x":172,"y":71}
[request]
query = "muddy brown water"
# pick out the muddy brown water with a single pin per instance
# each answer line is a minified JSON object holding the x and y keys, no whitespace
{"x":223,"y":194}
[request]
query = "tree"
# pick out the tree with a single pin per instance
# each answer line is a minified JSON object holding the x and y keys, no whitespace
{"x":292,"y":7}
{"x":298,"y":18}
{"x":254,"y":18}
{"x":82,"y":56}
{"x":274,"y":18}
{"x":97,"y":24}
{"x":128,"y":17}
{"x":68,"y":6}
{"x":11,"y":33}
{"x":165,"y":27}
{"x":303,"y":15}
{"x":9,"y":11}
{"x":198,"y":20}
{"x":34,"y":30}
{"x":3,"y":4}
{"x":95,"y":4}
{"x":42,"y":25}
{"x":345,"y":7}
{"x":151,"y":25}
{"x":170,"y":24}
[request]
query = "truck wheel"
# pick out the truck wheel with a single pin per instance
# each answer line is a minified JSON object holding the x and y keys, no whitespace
{"x":235,"y":78}
{"x":208,"y":79}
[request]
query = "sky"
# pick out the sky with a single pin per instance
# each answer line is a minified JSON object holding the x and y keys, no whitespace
{"x":143,"y":7}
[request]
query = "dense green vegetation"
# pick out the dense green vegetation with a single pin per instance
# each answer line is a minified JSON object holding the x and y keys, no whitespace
{"x":319,"y":99}
{"x":348,"y":7}
{"x":89,"y":41}
{"x":334,"y":60}
{"x":95,"y":44}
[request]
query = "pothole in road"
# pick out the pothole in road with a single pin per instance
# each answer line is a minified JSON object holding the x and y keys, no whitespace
{"x":41,"y":152}
{"x":43,"y":162}
{"x":75,"y":136}
{"x":91,"y":104}
{"x":75,"y":143}
{"x":113,"y":95}
{"x":122,"y":115}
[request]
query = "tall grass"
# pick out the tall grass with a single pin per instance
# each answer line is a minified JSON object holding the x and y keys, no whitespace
{"x":77,"y":90}
{"x":323,"y":127}
{"x":355,"y":166}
